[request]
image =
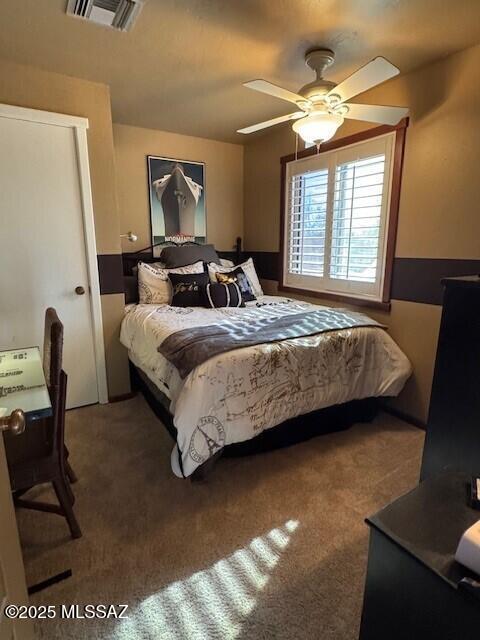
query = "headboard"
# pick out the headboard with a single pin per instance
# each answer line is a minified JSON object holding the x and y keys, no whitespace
{"x":130,"y":260}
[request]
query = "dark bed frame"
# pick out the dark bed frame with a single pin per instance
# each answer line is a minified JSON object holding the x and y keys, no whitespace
{"x":299,"y":429}
{"x":130,"y":260}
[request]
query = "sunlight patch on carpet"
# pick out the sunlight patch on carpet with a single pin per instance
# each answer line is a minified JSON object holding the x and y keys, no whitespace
{"x":211,"y":604}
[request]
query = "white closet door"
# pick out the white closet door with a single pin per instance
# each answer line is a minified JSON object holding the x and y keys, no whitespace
{"x":42,"y":250}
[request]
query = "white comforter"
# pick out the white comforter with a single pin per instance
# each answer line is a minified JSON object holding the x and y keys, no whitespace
{"x":234,"y":396}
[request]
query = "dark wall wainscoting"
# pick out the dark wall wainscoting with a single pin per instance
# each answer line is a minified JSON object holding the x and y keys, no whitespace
{"x":419,"y":279}
{"x":267,"y":263}
{"x":110,"y":273}
{"x":228,"y":255}
{"x":413,"y":279}
{"x":112,"y":268}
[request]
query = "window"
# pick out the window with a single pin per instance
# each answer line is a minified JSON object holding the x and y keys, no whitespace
{"x":336,"y":219}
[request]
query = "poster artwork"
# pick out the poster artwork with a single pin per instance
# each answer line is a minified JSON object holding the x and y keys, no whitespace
{"x":177,"y":201}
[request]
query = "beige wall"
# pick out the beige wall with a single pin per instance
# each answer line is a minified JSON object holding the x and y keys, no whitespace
{"x":438,"y":208}
{"x":439,"y":215}
{"x":36,"y":89}
{"x":33,"y":88}
{"x":223,"y":181}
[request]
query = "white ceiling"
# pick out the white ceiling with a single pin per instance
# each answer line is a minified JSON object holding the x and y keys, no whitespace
{"x":182,"y":65}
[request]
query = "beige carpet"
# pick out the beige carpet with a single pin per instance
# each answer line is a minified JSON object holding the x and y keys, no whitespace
{"x":271,"y":546}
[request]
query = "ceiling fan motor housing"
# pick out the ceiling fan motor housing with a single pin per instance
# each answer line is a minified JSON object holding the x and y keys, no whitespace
{"x":318,"y":60}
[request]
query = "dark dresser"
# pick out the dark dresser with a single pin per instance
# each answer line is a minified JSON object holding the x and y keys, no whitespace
{"x":453,"y":432}
{"x":413,"y":589}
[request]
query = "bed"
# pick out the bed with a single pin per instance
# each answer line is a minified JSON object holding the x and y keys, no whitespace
{"x":223,"y":385}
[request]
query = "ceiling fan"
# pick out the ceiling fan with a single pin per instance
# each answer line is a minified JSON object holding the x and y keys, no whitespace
{"x":323,"y":104}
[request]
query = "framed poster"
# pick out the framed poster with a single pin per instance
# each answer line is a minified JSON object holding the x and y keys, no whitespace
{"x":177,"y":200}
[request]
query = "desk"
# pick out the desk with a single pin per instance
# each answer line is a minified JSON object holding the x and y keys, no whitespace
{"x":22,"y":384}
{"x":412,"y":589}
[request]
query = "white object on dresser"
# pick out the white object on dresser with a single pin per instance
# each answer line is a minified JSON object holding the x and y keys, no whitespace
{"x":468,"y":551}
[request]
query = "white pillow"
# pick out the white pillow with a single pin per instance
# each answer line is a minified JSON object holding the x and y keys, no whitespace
{"x":154,"y":287}
{"x":154,"y":265}
{"x":248,"y":268}
{"x":226,"y":263}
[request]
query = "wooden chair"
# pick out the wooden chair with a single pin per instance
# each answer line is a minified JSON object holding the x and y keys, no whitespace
{"x":44,"y":459}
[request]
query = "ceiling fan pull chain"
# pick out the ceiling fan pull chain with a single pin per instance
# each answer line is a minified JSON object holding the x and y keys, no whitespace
{"x":296,"y":145}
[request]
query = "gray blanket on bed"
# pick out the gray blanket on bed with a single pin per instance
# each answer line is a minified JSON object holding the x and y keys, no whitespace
{"x":189,"y":348}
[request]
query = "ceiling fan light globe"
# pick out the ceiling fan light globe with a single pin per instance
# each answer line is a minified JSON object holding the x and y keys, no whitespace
{"x":318,"y":127}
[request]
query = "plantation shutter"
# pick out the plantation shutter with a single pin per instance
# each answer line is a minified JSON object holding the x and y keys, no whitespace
{"x":337,"y":206}
{"x":308,"y":215}
{"x":357,"y":212}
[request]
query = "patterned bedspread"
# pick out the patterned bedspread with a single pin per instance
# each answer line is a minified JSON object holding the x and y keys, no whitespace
{"x":189,"y":348}
{"x":234,"y":395}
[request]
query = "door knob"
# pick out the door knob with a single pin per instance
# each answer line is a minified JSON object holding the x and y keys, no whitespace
{"x":15,"y":422}
{"x":79,"y":291}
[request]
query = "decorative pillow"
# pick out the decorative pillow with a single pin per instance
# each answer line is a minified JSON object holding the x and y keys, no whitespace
{"x":237,"y":276}
{"x":226,"y":263}
{"x":188,"y":289}
{"x":249,"y":270}
{"x":223,"y":294}
{"x":154,"y":287}
{"x":178,"y":256}
{"x":154,"y":265}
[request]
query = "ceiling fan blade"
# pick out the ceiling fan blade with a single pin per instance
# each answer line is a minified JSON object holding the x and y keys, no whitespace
{"x":375,"y":113}
{"x":273,"y":90}
{"x":270,"y":123}
{"x":368,"y":76}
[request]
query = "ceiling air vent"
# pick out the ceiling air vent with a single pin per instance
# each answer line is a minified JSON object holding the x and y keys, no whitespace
{"x":118,"y":14}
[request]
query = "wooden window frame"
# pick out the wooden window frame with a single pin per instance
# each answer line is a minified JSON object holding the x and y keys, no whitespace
{"x":398,"y":153}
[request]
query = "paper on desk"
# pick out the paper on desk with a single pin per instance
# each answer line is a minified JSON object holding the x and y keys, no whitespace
{"x":20,"y":370}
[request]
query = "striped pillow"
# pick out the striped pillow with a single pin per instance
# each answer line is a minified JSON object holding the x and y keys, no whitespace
{"x":221,"y":294}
